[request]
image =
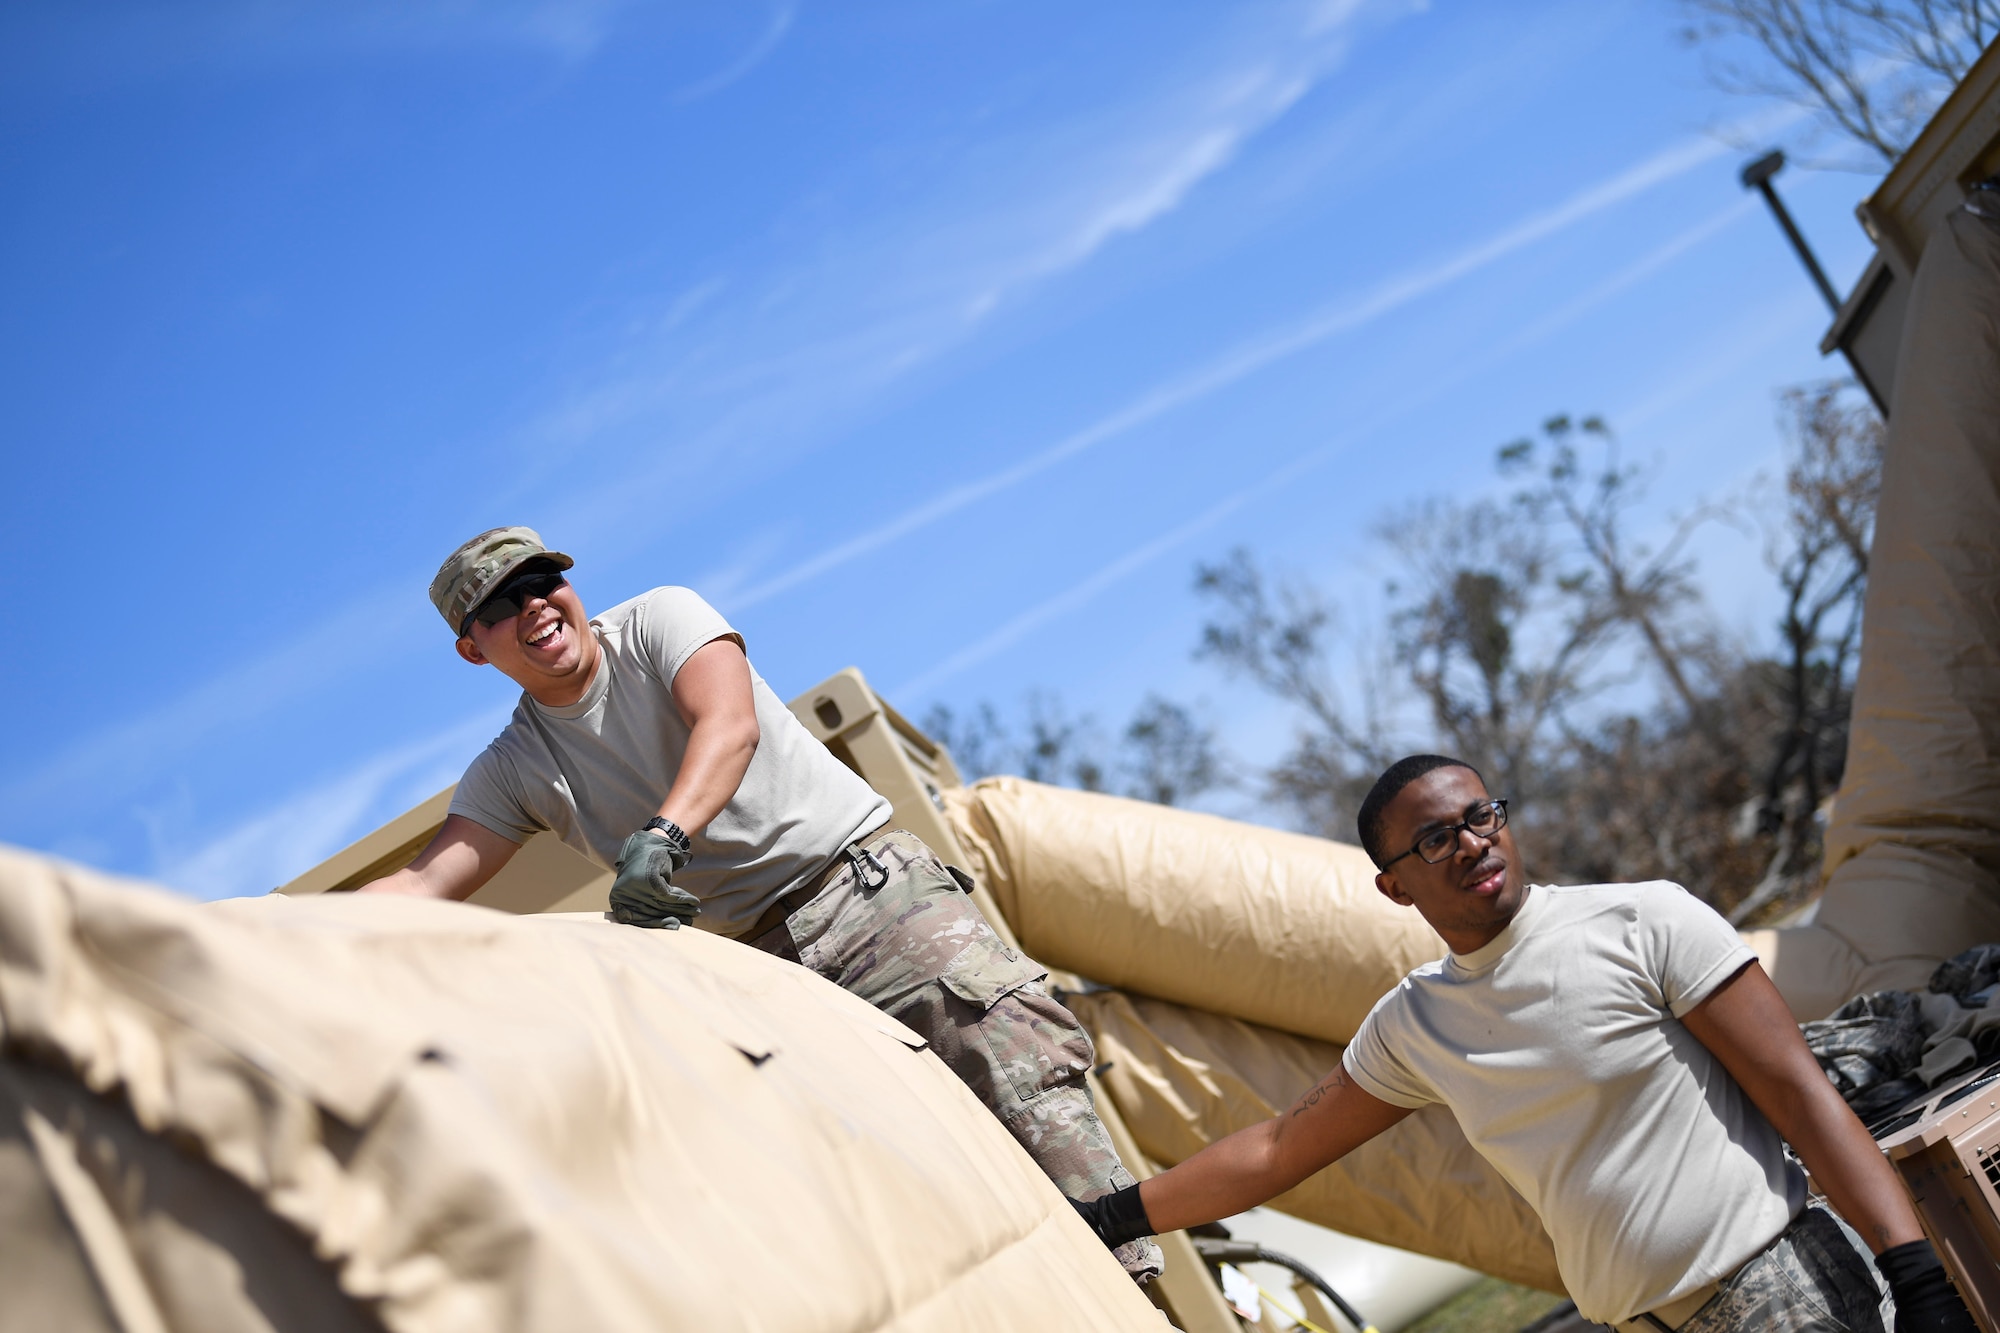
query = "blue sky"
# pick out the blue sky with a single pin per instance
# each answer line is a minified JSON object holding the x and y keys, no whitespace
{"x":941,"y":339}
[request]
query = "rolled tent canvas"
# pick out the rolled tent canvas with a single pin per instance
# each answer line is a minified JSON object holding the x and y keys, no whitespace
{"x":456,"y":1119}
{"x":1276,"y":928}
{"x":1913,"y":846}
{"x":1183,"y":1079}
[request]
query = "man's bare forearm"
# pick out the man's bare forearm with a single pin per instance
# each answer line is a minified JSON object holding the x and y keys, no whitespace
{"x":406,"y":882}
{"x":1748,"y":1027}
{"x":1255,"y":1165}
{"x":1846,"y":1163}
{"x":718,"y":755}
{"x":713,"y":694}
{"x":1222,"y":1180}
{"x":462,"y":856}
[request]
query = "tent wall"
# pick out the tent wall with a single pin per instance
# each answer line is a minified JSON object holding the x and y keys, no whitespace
{"x":481,"y":1121}
{"x":1276,"y":928}
{"x":1913,"y":848}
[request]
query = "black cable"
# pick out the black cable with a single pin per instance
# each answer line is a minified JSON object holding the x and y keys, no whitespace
{"x":1249,"y":1252}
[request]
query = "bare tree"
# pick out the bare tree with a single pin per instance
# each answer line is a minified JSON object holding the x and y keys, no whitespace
{"x":1172,"y":758}
{"x":1871,"y":70}
{"x":1277,"y":637}
{"x":1527,"y":625}
{"x":979,"y":742}
{"x":1165,"y":754}
{"x":1495,"y":639}
{"x":1615,"y":580}
{"x":1819,"y":553}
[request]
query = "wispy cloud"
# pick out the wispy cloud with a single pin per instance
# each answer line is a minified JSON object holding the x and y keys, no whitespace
{"x":140,"y":41}
{"x":753,"y":359}
{"x":1078,"y":595}
{"x":115,"y":760}
{"x":793,"y":357}
{"x":277,"y":844}
{"x":1263,"y":351}
{"x":767,"y":41}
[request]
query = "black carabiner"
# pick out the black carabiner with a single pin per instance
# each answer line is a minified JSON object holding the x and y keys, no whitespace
{"x":859,"y":858}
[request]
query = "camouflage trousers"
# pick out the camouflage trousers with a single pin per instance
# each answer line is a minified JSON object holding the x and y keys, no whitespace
{"x":915,"y":947}
{"x":1814,"y":1278}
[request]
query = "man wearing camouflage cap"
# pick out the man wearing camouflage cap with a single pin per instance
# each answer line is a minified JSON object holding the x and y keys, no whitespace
{"x":645,"y":741}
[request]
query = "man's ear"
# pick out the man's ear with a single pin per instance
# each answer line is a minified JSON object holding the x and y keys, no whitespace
{"x":1386,"y":885}
{"x":469,"y":650}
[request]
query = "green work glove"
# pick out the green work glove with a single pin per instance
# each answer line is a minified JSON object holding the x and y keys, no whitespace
{"x":644,"y":892}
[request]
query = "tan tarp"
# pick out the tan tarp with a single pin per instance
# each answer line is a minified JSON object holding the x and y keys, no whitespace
{"x":1277,"y":928}
{"x":1914,"y":843}
{"x":478,"y":1121}
{"x":1183,"y":1078}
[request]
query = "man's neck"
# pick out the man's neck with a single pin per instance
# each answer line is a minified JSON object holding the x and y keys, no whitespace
{"x":1463,"y":940}
{"x":566,"y":691}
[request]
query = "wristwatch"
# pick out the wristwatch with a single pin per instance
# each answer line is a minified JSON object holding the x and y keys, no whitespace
{"x":675,"y":835}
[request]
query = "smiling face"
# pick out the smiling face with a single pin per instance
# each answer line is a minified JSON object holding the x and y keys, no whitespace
{"x":548,"y":650}
{"x":1471,"y":896}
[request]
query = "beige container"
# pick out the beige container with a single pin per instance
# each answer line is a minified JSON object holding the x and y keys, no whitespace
{"x":1183,"y":1079}
{"x":1277,"y":928}
{"x":1913,"y":847}
{"x":477,"y":1121}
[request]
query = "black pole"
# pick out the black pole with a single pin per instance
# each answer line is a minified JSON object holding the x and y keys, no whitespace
{"x":1757,"y":176}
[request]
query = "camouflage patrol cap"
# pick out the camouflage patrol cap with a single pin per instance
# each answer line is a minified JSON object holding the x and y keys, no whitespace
{"x":482,"y":565}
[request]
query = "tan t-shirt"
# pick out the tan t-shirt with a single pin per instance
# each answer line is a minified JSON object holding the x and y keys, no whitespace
{"x":595,"y":771}
{"x":1559,"y":1048}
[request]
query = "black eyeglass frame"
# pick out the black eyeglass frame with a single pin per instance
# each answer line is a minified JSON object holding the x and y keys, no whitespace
{"x":1497,"y":804}
{"x":492,"y":609}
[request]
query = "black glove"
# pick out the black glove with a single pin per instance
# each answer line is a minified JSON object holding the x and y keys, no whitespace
{"x":1926,"y":1302}
{"x":1116,"y":1217}
{"x":644,"y":892}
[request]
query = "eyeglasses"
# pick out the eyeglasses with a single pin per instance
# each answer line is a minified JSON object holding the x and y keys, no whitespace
{"x":511,"y":597}
{"x":1482,"y":819}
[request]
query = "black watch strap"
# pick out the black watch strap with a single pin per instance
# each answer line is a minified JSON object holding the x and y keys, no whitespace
{"x":673,"y":833}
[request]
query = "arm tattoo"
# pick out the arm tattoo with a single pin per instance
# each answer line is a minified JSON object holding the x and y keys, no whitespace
{"x":1337,"y":1079}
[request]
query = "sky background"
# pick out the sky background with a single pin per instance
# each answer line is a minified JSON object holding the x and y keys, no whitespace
{"x":941,"y":339}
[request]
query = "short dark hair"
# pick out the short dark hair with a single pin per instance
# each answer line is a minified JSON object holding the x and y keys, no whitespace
{"x":1387,"y":787}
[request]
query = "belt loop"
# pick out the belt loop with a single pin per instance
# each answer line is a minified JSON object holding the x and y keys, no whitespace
{"x":860,"y":857}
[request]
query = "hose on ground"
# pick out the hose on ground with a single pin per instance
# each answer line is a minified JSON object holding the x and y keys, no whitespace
{"x":1219,"y":1251}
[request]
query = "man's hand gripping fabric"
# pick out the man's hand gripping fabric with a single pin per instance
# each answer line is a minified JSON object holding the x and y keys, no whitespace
{"x":1117,"y":1217}
{"x":644,"y":892}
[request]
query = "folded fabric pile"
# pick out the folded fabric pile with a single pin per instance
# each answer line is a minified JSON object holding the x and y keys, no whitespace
{"x":1885,"y":1049}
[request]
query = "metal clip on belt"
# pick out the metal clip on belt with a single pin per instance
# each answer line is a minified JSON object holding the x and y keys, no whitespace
{"x":860,"y":858}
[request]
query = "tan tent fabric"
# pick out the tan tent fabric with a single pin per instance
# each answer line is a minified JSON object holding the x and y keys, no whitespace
{"x":1276,"y":928}
{"x":1914,"y":843}
{"x":479,"y":1121}
{"x":1183,"y":1078}
{"x":169,"y":1240}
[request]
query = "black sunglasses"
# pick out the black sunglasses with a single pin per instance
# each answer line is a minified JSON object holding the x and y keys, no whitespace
{"x":511,"y":597}
{"x":1482,"y":820}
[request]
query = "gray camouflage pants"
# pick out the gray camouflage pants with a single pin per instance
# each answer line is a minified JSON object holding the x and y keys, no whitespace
{"x":1815,"y":1278}
{"x":918,"y":949}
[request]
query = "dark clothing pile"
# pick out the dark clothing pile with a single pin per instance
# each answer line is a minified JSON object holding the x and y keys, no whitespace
{"x":1889,"y":1048}
{"x":1870,"y":1047}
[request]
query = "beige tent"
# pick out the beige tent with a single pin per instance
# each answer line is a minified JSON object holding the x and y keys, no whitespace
{"x":1277,"y":928}
{"x":321,"y":1113}
{"x":1913,"y":849}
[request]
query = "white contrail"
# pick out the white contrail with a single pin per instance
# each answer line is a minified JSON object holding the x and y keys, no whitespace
{"x":1132,"y":561}
{"x":1254,"y":356}
{"x":1129,"y":563}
